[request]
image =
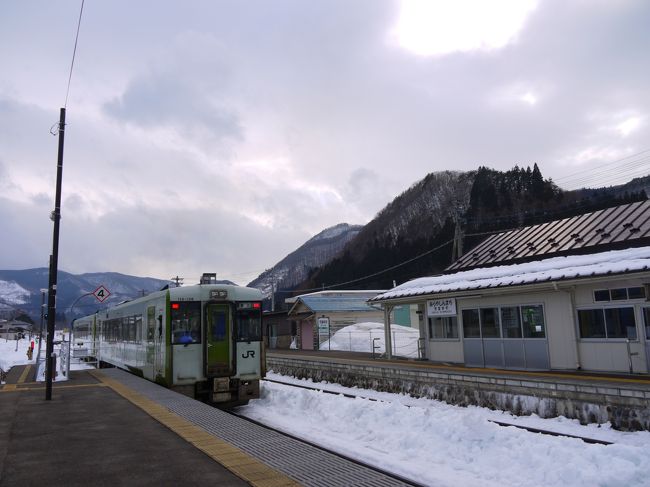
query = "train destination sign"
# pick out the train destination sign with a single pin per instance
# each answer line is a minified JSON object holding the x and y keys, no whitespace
{"x":441,"y":307}
{"x":101,"y":293}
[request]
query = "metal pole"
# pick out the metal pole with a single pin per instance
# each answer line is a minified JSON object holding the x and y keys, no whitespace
{"x":54,"y":263}
{"x":71,"y":337}
{"x":40,"y":333}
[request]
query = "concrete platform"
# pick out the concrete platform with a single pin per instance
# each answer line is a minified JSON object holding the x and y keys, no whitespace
{"x":89,"y":435}
{"x":108,"y":428}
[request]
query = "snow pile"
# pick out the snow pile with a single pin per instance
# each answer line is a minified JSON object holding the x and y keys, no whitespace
{"x":12,"y":293}
{"x":362,"y":337}
{"x":14,"y":352}
{"x":439,"y":444}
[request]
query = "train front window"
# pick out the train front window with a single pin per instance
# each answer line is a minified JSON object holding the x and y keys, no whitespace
{"x":249,"y":322}
{"x":186,"y":322}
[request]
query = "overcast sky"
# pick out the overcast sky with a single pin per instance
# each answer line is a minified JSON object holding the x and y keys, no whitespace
{"x":218,"y":136}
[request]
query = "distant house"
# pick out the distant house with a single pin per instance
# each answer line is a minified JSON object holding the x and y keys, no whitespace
{"x":10,"y":330}
{"x":279,"y":329}
{"x":319,"y":315}
{"x":568,"y":294}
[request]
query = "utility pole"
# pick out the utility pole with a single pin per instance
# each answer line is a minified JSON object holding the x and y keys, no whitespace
{"x":178,"y":281}
{"x":54,"y":264}
{"x":457,"y":250}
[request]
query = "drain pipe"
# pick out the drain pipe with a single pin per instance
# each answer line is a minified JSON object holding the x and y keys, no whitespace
{"x":572,"y":294}
{"x":387,"y":338}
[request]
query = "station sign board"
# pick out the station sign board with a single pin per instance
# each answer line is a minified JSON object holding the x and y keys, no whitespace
{"x":323,"y":325}
{"x":441,"y":307}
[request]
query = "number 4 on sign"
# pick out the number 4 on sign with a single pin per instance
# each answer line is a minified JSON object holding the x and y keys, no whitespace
{"x":101,"y":293}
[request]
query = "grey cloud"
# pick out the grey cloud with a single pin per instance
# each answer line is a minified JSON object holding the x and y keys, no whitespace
{"x":162,"y":100}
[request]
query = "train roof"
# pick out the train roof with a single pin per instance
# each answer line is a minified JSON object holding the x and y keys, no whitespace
{"x":198,"y":292}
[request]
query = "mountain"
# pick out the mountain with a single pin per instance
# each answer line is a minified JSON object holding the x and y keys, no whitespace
{"x":415,"y":235}
{"x":21,"y":290}
{"x":314,"y":253}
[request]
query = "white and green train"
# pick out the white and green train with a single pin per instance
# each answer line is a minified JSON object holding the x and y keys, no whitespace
{"x":204,"y":341}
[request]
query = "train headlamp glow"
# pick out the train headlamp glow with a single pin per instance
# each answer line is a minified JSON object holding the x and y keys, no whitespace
{"x":218,"y":294}
{"x":249,"y":305}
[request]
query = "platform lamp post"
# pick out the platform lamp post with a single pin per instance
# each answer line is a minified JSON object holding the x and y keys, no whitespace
{"x":54,"y":264}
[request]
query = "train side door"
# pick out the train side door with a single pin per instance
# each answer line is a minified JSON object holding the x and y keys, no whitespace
{"x":159,"y":347}
{"x":218,"y":335}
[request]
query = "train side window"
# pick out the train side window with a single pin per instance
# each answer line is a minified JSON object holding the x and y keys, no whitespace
{"x":186,"y":322}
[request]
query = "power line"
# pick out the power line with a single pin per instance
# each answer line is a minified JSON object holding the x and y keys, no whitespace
{"x":615,"y":172}
{"x":371,"y":275}
{"x":74,"y":53}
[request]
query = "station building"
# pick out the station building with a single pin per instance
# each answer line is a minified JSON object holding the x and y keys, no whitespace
{"x":571,"y":294}
{"x":318,"y":316}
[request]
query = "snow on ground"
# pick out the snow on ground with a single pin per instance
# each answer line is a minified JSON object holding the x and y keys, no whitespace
{"x":12,"y":353}
{"x":361,"y":337}
{"x":435,"y":443}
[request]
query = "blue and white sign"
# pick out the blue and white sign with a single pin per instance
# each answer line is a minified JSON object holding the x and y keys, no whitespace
{"x":323,"y":325}
{"x":441,"y":307}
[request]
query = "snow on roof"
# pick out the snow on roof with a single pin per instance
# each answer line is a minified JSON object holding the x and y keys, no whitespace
{"x":554,"y":269}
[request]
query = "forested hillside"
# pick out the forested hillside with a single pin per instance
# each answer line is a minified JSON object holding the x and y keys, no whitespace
{"x":413,"y":236}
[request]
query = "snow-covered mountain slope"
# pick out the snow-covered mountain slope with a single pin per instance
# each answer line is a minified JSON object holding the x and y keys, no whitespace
{"x":21,"y":290}
{"x":316,"y":252}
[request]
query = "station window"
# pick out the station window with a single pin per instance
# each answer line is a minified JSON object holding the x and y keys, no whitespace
{"x":490,"y":323}
{"x":443,"y":327}
{"x":601,"y":295}
{"x":636,"y":292}
{"x":619,"y":294}
{"x":471,"y":323}
{"x":532,"y":318}
{"x":511,"y":322}
{"x":504,"y":322}
{"x":607,"y":323}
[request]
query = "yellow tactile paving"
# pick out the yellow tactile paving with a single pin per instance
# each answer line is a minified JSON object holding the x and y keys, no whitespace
{"x":40,"y":387}
{"x":241,"y":464}
{"x":24,"y":375}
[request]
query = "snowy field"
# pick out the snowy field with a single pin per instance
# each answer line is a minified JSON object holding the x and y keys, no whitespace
{"x":15,"y":353}
{"x":442,"y":445}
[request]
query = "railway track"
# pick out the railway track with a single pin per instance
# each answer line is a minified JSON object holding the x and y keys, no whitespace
{"x":500,"y":423}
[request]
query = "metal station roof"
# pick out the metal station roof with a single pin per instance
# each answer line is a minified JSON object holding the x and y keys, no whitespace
{"x":321,"y":304}
{"x":612,"y":228}
{"x":611,"y":263}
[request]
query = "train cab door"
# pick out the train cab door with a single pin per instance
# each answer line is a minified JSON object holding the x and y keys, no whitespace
{"x":218,"y":335}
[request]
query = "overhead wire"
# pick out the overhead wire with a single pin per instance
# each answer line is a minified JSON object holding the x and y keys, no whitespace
{"x":74,"y":53}
{"x":618,"y":171}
